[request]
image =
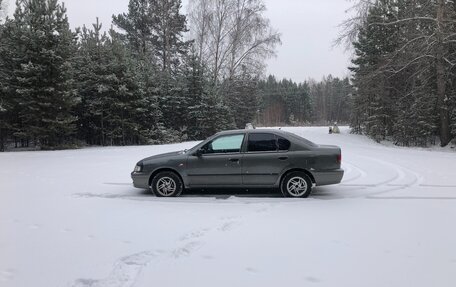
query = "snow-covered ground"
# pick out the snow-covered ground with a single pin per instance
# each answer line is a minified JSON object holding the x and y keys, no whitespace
{"x":72,"y":218}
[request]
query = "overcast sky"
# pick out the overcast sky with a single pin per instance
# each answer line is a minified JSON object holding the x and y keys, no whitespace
{"x":308,"y":29}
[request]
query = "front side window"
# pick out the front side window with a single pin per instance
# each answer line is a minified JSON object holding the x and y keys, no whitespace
{"x":224,"y":144}
{"x":262,"y":142}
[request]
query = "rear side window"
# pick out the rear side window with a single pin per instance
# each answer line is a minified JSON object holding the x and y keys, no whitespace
{"x":283,"y":144}
{"x":262,"y":142}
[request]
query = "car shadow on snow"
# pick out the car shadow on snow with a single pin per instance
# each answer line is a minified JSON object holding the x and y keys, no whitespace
{"x":220,"y":193}
{"x":121,"y":192}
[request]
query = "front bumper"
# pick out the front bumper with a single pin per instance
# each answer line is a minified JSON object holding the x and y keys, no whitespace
{"x":328,"y":177}
{"x":140,"y":180}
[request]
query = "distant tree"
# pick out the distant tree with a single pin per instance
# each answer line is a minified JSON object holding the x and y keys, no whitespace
{"x":283,"y":102}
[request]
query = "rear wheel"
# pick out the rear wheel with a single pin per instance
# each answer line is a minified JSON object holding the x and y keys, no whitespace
{"x":296,"y":184}
{"x":167,"y":184}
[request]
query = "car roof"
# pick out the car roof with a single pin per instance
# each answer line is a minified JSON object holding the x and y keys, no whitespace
{"x":252,"y":131}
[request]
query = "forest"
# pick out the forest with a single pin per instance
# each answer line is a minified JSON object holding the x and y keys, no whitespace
{"x":156,"y":76}
{"x":161,"y":74}
{"x":404,"y":70}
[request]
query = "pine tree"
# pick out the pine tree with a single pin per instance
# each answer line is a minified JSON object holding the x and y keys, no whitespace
{"x":154,"y":29}
{"x":43,"y":73}
{"x":413,"y":70}
{"x":115,"y":109}
{"x":283,"y":102}
{"x":373,"y":99}
{"x":241,"y":97}
{"x":94,"y":84}
{"x":5,"y":92}
{"x":206,"y":114}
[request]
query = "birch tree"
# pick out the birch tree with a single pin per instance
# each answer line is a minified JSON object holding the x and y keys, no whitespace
{"x":232,"y":36}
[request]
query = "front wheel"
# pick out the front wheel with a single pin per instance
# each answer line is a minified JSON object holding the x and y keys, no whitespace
{"x":167,"y":184}
{"x":296,"y":184}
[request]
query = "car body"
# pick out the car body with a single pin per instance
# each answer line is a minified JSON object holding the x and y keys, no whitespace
{"x":244,"y":159}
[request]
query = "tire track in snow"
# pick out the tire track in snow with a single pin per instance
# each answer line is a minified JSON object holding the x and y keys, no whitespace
{"x":393,"y":183}
{"x":401,"y":173}
{"x":360,"y":173}
{"x":398,"y":174}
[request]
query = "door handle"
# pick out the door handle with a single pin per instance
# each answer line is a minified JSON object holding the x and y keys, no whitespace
{"x":234,"y":159}
{"x":283,"y":158}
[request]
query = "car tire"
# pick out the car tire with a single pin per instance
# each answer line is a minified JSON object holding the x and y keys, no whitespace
{"x":167,"y":184}
{"x":296,"y":184}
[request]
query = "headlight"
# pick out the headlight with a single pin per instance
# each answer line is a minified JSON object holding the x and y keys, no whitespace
{"x":138,"y":168}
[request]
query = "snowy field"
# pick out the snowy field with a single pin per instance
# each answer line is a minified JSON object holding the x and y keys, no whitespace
{"x":72,"y":218}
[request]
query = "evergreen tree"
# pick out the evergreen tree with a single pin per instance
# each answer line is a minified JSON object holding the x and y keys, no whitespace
{"x":405,"y":56}
{"x":241,"y":97}
{"x":156,"y":26}
{"x":373,"y":96}
{"x":42,"y":75}
{"x":114,"y":108}
{"x":6,"y":103}
{"x":284,"y":102}
{"x":206,"y":114}
{"x":154,"y":29}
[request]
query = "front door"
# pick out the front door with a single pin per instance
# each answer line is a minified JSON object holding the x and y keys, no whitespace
{"x":219,"y":164}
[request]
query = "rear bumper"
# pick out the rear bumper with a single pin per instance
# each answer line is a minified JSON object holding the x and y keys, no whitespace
{"x":328,"y":177}
{"x":140,"y":180}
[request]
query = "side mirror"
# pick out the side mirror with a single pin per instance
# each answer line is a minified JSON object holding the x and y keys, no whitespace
{"x":199,"y":153}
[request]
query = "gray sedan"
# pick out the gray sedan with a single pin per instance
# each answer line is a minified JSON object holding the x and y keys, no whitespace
{"x":243,"y":159}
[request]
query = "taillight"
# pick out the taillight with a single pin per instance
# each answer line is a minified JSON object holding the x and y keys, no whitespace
{"x":339,"y":158}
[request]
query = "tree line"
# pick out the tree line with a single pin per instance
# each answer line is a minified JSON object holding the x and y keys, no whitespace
{"x":140,"y":82}
{"x":404,"y":70}
{"x":155,"y":76}
{"x":285,"y":102}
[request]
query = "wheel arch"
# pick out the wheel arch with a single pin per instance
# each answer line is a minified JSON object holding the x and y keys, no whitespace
{"x":308,"y":173}
{"x":157,"y":171}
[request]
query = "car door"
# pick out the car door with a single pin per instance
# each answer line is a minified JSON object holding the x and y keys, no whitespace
{"x":265,"y":158}
{"x":219,"y":163}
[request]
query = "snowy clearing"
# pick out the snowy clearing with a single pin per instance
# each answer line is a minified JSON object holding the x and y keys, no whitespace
{"x":72,"y":218}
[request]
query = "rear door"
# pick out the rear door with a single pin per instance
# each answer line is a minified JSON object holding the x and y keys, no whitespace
{"x":265,"y":158}
{"x":220,"y":163}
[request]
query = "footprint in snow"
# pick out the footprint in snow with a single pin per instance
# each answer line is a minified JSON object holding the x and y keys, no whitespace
{"x":124,"y":273}
{"x":187,"y":249}
{"x":227,"y":226}
{"x":194,"y":234}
